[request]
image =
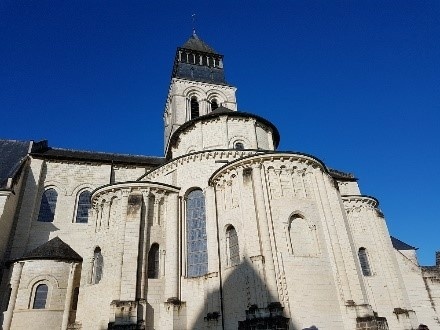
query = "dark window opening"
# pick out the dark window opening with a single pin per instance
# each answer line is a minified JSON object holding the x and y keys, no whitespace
{"x":48,"y":205}
{"x":239,"y":146}
{"x":214,"y":104}
{"x":194,"y":108}
{"x":363,"y":260}
{"x":40,"y":297}
{"x":153,"y":261}
{"x":84,"y":205}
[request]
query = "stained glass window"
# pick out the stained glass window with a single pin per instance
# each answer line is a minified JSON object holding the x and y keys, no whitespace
{"x":83,"y":207}
{"x":214,"y":104}
{"x":363,"y":260}
{"x":232,"y":246}
{"x":153,"y":261}
{"x":197,"y":254}
{"x":40,"y":297}
{"x":47,"y":206}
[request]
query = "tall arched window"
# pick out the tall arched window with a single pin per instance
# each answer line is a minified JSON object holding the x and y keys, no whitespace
{"x":197,"y":254}
{"x":214,"y":104}
{"x":233,"y":249}
{"x":83,"y":207}
{"x":98,"y":265}
{"x":153,"y":261}
{"x":194,"y":108}
{"x":40,"y":297}
{"x":363,"y":260}
{"x":47,"y":206}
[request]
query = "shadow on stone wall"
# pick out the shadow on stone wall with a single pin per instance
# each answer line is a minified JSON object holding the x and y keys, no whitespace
{"x":246,"y":303}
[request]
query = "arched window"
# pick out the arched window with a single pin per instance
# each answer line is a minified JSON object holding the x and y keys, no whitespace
{"x":214,"y":104}
{"x":40,"y":297}
{"x":153,"y":261}
{"x":238,"y":145}
{"x":197,"y":254}
{"x":233,"y":249}
{"x":83,"y":207}
{"x":363,"y":260}
{"x":98,"y":265}
{"x":194,"y":108}
{"x":47,"y":206}
{"x":75,"y":299}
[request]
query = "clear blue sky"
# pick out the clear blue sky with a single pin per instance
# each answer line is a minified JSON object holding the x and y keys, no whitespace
{"x":355,"y":83}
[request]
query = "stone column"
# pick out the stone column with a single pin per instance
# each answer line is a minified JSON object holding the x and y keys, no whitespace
{"x":15,"y":283}
{"x":172,"y":247}
{"x":145,"y":195}
{"x":211,"y":229}
{"x":263,"y":222}
{"x":131,"y":248}
{"x":69,"y":293}
{"x":121,"y":235}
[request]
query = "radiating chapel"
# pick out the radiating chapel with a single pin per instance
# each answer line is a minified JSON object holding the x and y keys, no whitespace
{"x":223,"y":232}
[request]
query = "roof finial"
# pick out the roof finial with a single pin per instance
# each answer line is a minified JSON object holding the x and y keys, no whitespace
{"x":194,"y":24}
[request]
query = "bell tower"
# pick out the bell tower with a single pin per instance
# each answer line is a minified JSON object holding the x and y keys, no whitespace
{"x":197,"y":87}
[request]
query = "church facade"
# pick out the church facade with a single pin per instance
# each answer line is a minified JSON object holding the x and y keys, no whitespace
{"x":223,"y":232}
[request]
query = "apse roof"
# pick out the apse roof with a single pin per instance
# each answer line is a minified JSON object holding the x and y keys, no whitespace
{"x":197,"y":44}
{"x":399,"y":245}
{"x":55,"y":249}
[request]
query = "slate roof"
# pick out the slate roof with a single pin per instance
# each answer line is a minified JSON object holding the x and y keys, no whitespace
{"x":12,"y":155}
{"x":197,"y":44}
{"x":55,"y":249}
{"x":399,"y":245}
{"x":343,"y":176}
{"x":218,"y":112}
{"x":68,"y":154}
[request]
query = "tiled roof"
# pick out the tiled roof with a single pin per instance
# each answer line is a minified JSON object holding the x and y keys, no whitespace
{"x":197,"y":44}
{"x":55,"y":249}
{"x":399,"y":245}
{"x":12,"y":155}
{"x":68,"y":154}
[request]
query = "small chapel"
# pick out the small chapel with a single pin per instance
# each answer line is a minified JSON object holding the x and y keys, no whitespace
{"x":224,"y":231}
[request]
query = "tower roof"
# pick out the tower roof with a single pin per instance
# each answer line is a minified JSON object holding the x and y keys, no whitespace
{"x":197,"y":44}
{"x":55,"y":249}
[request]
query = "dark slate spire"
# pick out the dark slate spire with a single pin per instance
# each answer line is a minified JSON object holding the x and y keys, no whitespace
{"x":198,"y":61}
{"x":195,"y":43}
{"x":55,"y":249}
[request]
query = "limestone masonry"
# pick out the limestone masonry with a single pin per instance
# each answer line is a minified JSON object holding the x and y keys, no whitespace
{"x":223,"y":232}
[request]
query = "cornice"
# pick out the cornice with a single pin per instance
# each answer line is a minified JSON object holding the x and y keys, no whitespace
{"x":259,"y":159}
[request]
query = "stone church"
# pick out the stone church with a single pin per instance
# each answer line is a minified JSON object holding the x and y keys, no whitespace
{"x":223,"y":232}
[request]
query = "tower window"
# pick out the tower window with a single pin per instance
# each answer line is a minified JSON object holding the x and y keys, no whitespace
{"x":98,"y":265}
{"x":194,"y":108}
{"x":153,"y":261}
{"x":40,"y":297}
{"x":48,"y":205}
{"x":363,"y":260}
{"x":214,"y":104}
{"x":83,"y":207}
{"x":233,"y":249}
{"x":197,"y":253}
